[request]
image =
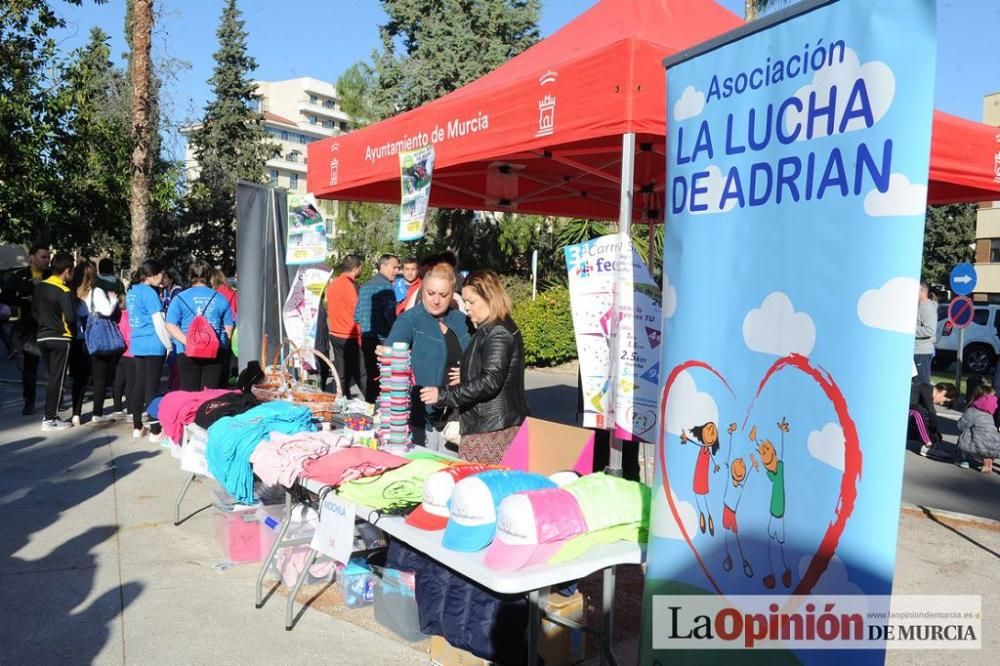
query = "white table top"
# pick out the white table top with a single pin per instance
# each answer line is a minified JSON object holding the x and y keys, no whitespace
{"x":471,"y":565}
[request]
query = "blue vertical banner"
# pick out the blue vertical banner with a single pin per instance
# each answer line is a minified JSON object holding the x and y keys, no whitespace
{"x":797,"y":168}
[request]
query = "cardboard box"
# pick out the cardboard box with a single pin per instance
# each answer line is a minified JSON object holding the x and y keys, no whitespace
{"x":545,"y":448}
{"x":557,"y":645}
{"x":443,"y":654}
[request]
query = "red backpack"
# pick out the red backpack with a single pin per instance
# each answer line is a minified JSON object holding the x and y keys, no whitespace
{"x":202,"y":340}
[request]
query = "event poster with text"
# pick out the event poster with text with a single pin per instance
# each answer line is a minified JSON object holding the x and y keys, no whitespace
{"x":616,"y":319}
{"x":797,"y":167}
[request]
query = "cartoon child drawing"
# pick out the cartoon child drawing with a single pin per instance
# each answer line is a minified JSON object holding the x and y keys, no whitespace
{"x":774,"y":467}
{"x":731,"y":504}
{"x":707,"y":437}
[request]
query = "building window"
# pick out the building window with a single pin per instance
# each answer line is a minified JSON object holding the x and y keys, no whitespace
{"x":313,"y":99}
{"x":343,"y":127}
{"x":995,"y":251}
{"x":311,"y":119}
{"x":255,"y":104}
{"x":329,"y":104}
{"x":293,"y":181}
{"x":274,"y":177}
{"x":329,"y":124}
{"x":293,"y":156}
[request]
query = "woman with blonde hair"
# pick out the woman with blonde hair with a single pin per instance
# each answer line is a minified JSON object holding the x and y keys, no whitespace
{"x":488,"y":390}
{"x":437,"y":334}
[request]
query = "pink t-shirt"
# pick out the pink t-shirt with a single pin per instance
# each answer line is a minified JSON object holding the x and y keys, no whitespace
{"x":126,"y":330}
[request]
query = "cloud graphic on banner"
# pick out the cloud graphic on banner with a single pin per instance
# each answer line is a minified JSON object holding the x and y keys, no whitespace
{"x":892,"y":307}
{"x":902,"y":198}
{"x":715,"y":184}
{"x":690,"y":104}
{"x":688,"y":407}
{"x":827,"y":445}
{"x":776,"y":328}
{"x":669,"y":304}
{"x":879,"y":82}
{"x":663,"y":525}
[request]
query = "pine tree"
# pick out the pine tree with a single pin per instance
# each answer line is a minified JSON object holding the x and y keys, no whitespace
{"x":949,"y":234}
{"x":90,"y":149}
{"x":230,"y":144}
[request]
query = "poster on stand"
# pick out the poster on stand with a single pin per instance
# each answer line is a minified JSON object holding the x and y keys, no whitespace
{"x":798,"y":162}
{"x":616,"y":308}
{"x":301,"y":309}
{"x":306,"y":231}
{"x":415,"y":170}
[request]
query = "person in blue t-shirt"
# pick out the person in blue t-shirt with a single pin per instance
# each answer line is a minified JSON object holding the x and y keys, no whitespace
{"x":200,"y":298}
{"x":149,"y":340}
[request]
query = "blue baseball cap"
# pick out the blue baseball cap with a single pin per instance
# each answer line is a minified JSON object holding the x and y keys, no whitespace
{"x":472,"y":509}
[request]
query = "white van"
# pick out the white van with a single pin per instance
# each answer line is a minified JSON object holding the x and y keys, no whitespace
{"x":982,"y":340}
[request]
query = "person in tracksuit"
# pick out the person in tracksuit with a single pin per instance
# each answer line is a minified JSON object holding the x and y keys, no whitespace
{"x":54,"y":309}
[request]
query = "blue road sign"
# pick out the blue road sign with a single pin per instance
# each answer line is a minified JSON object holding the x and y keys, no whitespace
{"x":963,"y":278}
{"x":960,"y":311}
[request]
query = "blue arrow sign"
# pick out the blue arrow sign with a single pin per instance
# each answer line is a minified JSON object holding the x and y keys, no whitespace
{"x":963,"y":278}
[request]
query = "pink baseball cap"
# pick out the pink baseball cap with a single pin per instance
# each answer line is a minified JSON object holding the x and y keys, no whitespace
{"x":532,"y":527}
{"x":432,"y":514}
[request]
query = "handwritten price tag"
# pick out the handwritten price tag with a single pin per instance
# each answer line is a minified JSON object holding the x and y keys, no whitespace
{"x":334,"y":535}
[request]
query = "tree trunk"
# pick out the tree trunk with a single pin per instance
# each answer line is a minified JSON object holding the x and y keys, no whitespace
{"x":142,"y":31}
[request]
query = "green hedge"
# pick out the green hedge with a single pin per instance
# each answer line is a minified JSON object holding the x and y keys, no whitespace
{"x":547,"y":327}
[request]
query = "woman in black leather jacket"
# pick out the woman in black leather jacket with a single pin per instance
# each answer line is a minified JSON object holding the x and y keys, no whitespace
{"x":488,"y":389}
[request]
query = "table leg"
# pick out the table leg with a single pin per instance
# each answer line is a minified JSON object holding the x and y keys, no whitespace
{"x":534,"y":626}
{"x":290,"y":606}
{"x":285,"y":523}
{"x":607,"y":653}
{"x":180,"y":498}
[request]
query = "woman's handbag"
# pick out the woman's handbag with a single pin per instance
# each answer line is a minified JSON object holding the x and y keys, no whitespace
{"x":452,"y":432}
{"x":102,"y":335}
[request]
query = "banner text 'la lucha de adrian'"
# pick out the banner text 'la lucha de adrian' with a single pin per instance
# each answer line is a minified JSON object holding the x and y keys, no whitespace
{"x":797,"y":180}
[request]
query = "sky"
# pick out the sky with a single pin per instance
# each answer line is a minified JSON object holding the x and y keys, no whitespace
{"x":321,"y":38}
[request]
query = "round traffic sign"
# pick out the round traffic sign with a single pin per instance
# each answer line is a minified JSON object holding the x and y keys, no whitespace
{"x":963,"y":278}
{"x":961,"y":311}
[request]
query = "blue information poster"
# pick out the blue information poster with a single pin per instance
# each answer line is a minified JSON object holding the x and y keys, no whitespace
{"x":797,"y":173}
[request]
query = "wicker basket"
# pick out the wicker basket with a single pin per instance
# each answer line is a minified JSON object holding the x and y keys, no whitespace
{"x":322,"y":404}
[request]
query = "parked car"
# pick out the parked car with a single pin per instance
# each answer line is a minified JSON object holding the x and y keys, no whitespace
{"x":981,"y":343}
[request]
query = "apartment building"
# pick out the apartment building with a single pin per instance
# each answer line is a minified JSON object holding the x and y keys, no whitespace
{"x":988,"y":224}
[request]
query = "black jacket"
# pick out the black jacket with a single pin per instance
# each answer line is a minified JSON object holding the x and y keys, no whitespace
{"x":491,"y":394}
{"x":17,"y":293}
{"x":54,"y":308}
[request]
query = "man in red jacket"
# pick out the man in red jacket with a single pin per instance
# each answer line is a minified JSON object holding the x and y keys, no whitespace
{"x":345,"y":334}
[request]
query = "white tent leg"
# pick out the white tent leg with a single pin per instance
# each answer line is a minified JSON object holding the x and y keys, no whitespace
{"x":625,"y":229}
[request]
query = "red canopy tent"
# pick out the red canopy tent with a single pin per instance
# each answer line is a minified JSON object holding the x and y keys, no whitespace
{"x":543,"y":133}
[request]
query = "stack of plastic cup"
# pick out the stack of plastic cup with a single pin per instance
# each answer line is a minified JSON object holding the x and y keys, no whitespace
{"x":395,"y":378}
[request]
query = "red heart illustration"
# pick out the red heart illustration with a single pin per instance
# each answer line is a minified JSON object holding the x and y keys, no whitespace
{"x":852,"y":461}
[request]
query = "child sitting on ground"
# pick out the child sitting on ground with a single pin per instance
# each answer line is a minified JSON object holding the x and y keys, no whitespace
{"x":923,"y":423}
{"x":978,"y":438}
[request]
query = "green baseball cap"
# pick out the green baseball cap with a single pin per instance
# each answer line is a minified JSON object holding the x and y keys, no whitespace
{"x":615,"y":509}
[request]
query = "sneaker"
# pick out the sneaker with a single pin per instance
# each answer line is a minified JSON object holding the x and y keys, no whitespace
{"x":118,"y":416}
{"x":55,"y":424}
{"x":95,"y":419}
{"x":138,"y":433}
{"x":964,"y":464}
{"x":28,"y":409}
{"x":924,"y":450}
{"x":76,"y":420}
{"x":155,"y":436}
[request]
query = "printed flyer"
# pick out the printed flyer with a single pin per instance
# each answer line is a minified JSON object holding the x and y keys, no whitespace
{"x":306,"y":231}
{"x":415,"y":169}
{"x":797,"y":162}
{"x":616,"y":317}
{"x":301,"y":309}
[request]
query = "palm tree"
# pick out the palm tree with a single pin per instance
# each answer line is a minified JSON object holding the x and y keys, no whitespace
{"x":142,"y":128}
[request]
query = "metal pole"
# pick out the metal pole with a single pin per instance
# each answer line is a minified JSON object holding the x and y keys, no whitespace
{"x":959,"y":355}
{"x":278,"y":262}
{"x":625,"y":231}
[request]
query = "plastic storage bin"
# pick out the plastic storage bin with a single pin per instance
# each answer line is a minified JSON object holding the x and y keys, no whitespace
{"x":238,"y":534}
{"x":396,"y":604}
{"x":357,"y":583}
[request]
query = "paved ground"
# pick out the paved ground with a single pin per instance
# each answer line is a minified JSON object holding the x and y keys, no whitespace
{"x":93,"y":571}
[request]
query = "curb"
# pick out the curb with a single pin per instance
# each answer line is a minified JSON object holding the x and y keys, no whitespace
{"x":951,"y":515}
